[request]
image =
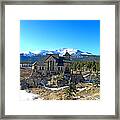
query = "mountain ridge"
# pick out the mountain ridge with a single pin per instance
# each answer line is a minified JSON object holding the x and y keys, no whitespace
{"x":76,"y":55}
{"x":61,"y":52}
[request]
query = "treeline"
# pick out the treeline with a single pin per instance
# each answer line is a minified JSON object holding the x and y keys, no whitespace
{"x":86,"y":66}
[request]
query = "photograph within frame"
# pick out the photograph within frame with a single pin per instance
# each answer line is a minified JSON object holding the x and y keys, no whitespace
{"x":57,"y":69}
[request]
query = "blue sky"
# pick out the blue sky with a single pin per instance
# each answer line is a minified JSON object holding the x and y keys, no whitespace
{"x":38,"y":35}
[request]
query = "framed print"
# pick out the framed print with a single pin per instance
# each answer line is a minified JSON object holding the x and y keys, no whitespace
{"x":59,"y":59}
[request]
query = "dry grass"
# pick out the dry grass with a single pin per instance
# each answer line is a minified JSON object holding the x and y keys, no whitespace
{"x":89,"y":93}
{"x":25,"y":73}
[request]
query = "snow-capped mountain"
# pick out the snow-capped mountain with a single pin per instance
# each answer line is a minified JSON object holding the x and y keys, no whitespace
{"x":61,"y":52}
{"x":27,"y":54}
{"x":64,"y":50}
{"x":86,"y":53}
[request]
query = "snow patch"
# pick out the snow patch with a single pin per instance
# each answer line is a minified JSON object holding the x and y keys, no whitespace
{"x":25,"y":96}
